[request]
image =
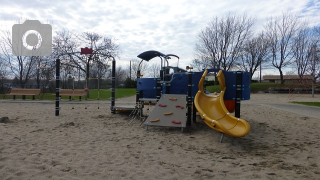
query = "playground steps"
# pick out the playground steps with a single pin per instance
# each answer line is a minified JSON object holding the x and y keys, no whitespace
{"x":169,"y":111}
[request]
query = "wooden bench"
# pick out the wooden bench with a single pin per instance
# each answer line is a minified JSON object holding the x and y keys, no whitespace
{"x":75,"y":92}
{"x":24,"y":92}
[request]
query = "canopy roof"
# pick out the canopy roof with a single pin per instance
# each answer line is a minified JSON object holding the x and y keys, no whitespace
{"x":151,"y":54}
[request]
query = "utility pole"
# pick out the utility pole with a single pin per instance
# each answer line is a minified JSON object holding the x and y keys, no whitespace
{"x":130,"y":69}
{"x":313,"y":67}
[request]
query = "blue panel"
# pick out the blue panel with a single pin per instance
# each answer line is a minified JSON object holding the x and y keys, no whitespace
{"x":148,"y":86}
{"x":245,"y":79}
{"x":196,"y":76}
{"x":179,"y":84}
{"x":245,"y":93}
{"x":245,"y":86}
{"x":230,"y":78}
{"x":164,"y":88}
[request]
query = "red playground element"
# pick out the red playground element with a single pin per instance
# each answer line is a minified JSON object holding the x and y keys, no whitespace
{"x":86,"y":89}
{"x":179,"y":106}
{"x":176,"y":122}
{"x":162,"y":105}
{"x":86,"y":50}
{"x":230,"y":105}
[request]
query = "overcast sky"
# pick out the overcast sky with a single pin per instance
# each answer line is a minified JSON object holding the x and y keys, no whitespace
{"x":168,"y":26}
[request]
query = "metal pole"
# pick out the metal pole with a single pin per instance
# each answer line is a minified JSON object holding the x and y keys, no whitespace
{"x":313,"y":69}
{"x":98,"y":93}
{"x":113,"y":88}
{"x":57,"y":86}
{"x":238,"y":93}
{"x":189,"y":98}
{"x":130,"y":70}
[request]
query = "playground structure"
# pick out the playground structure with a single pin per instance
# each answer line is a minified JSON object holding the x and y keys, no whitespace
{"x":176,"y":97}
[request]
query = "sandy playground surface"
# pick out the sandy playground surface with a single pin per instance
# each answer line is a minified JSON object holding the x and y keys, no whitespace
{"x":92,"y":143}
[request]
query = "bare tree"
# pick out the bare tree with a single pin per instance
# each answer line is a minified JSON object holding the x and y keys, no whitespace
{"x":201,"y":64}
{"x":67,"y":44}
{"x":22,"y":67}
{"x":154,"y":70}
{"x":255,"y":52}
{"x":138,"y":65}
{"x":121,"y":75}
{"x":281,"y":31}
{"x":3,"y":73}
{"x":99,"y":70}
{"x":3,"y":67}
{"x":315,"y":62}
{"x":302,"y":50}
{"x":44,"y":72}
{"x":219,"y":43}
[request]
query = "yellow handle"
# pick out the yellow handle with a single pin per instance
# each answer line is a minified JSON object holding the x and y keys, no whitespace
{"x":155,"y":120}
{"x":168,"y":113}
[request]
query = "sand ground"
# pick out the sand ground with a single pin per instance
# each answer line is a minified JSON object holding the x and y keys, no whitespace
{"x":92,"y":143}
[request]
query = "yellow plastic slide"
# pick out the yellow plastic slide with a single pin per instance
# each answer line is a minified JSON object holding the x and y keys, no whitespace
{"x":214,"y":113}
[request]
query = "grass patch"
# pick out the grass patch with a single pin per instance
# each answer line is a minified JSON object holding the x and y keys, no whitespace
{"x":256,"y":87}
{"x":104,"y":94}
{"x":214,"y":88}
{"x":317,"y":104}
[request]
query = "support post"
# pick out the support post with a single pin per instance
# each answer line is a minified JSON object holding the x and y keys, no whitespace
{"x":57,"y":87}
{"x":221,"y":138}
{"x":158,"y":86}
{"x":161,"y":75}
{"x":113,"y":88}
{"x":189,"y":99}
{"x":141,"y":105}
{"x":238,"y":93}
{"x":194,"y":112}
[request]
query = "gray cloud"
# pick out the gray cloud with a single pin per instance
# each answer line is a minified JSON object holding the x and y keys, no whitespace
{"x":166,"y":26}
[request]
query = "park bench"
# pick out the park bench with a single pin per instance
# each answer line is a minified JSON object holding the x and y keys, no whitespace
{"x":71,"y":92}
{"x":24,"y":92}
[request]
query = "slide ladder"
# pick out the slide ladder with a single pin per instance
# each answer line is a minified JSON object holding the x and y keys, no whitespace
{"x":214,"y":112}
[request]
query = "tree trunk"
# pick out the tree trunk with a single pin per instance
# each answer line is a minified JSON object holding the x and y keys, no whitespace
{"x":38,"y":78}
{"x":281,"y":76}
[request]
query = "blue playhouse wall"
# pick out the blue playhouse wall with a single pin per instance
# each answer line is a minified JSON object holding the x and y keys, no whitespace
{"x":246,"y":86}
{"x":179,"y":85}
{"x":148,"y":86}
{"x":231,"y":77}
{"x":196,"y":76}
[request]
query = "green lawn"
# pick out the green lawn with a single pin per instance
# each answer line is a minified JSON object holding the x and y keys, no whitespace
{"x":104,"y":94}
{"x":256,"y":87}
{"x":307,"y":103}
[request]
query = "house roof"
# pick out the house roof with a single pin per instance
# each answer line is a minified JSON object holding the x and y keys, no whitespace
{"x":277,"y":77}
